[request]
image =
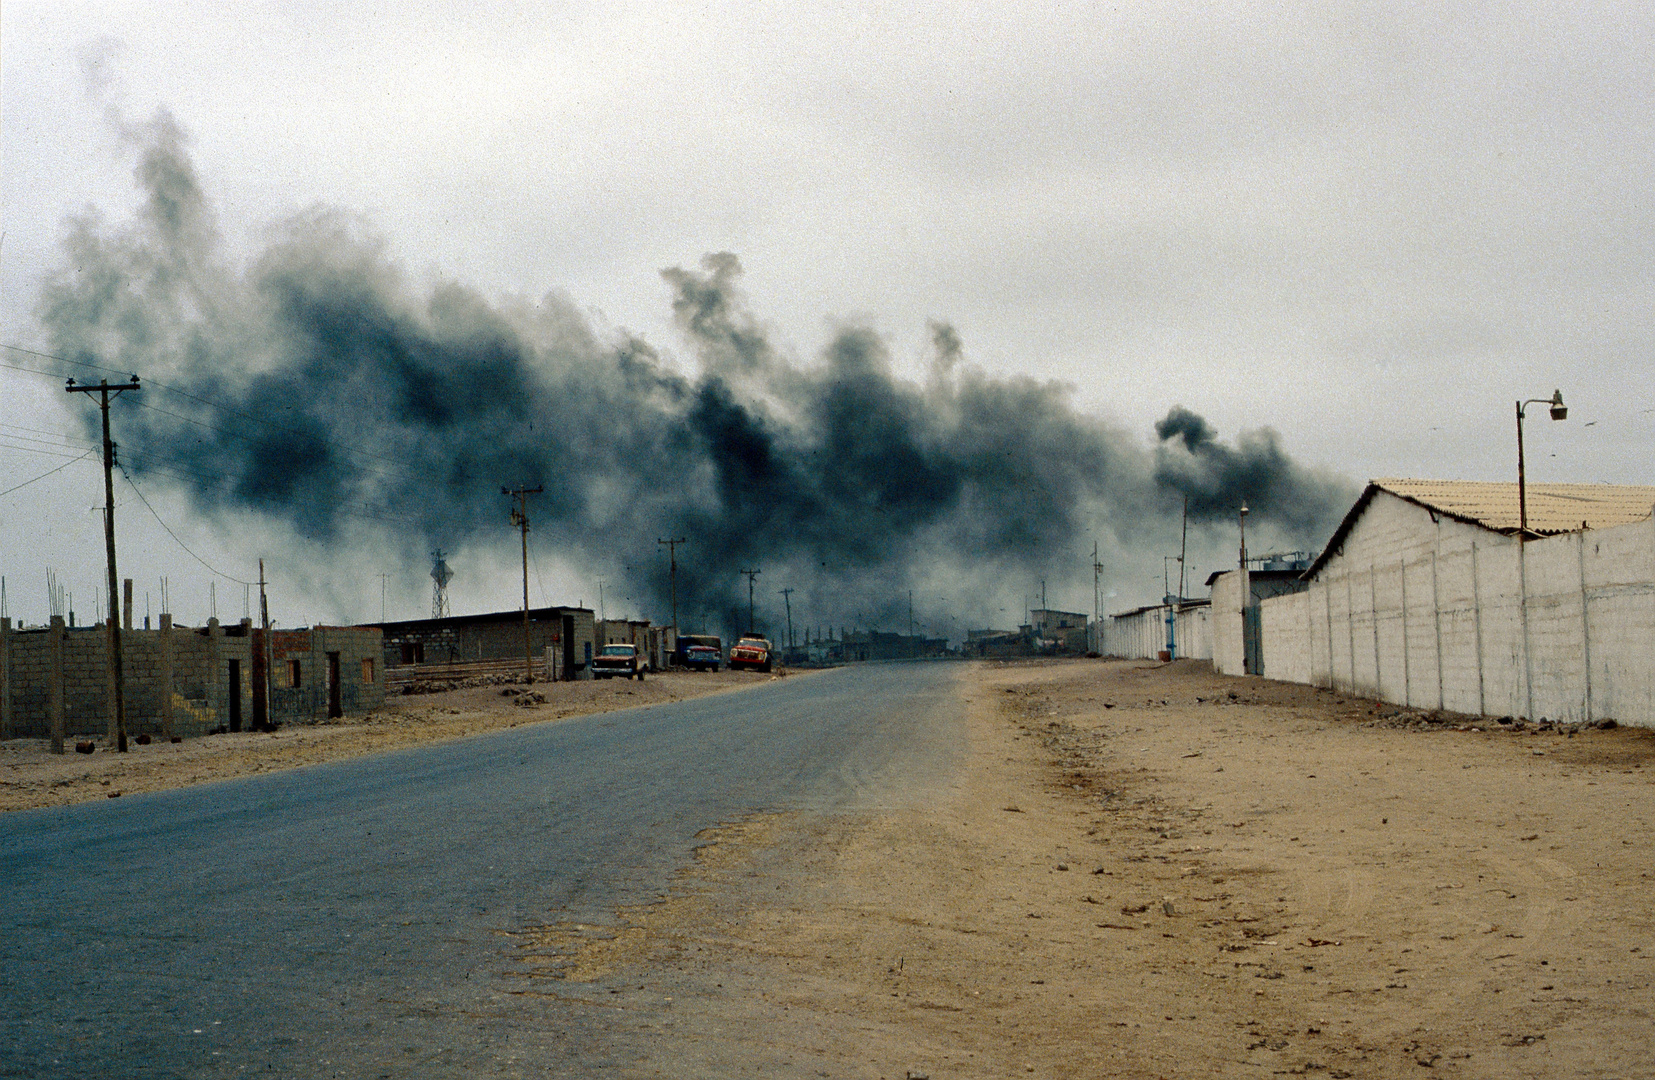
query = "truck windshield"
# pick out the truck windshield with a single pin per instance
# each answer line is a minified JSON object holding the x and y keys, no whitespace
{"x":617,"y":650}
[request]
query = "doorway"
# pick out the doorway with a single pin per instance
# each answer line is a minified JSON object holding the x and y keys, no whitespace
{"x":235,"y":695}
{"x":334,"y":709}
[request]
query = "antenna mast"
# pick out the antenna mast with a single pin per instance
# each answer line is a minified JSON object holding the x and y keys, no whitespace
{"x":441,"y":575}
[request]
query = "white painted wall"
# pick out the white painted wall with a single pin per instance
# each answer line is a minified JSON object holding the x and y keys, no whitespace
{"x":1143,"y":634}
{"x":1229,"y":655}
{"x":1441,"y":614}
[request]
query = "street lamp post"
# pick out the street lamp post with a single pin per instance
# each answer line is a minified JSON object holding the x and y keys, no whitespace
{"x":1558,"y":412}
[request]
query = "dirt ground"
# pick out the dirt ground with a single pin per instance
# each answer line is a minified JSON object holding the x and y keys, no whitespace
{"x":1143,"y":870}
{"x":31,"y":776}
{"x":1152,"y":871}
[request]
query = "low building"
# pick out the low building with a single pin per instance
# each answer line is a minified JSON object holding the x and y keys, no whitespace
{"x":857,"y":646}
{"x":57,"y":681}
{"x":1429,"y":595}
{"x":560,"y":641}
{"x":652,"y":642}
{"x":1059,"y":631}
{"x":325,"y":671}
{"x":1181,"y":629}
{"x":999,"y":644}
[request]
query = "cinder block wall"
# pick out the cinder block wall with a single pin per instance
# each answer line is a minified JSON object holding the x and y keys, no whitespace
{"x":361,"y":671}
{"x":199,"y":676}
{"x":491,"y":641}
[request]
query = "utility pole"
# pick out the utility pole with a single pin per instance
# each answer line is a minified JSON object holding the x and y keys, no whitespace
{"x":520,"y":518}
{"x":1097,"y":602}
{"x":751,"y":574}
{"x":103,"y":390}
{"x":383,"y":578}
{"x":672,"y":555}
{"x":787,"y":598}
{"x":1183,"y":549}
{"x":910,"y":616}
{"x":261,"y":667}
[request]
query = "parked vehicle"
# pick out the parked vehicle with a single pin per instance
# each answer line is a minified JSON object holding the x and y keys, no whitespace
{"x":750,"y":652}
{"x":699,"y":652}
{"x":623,"y":660}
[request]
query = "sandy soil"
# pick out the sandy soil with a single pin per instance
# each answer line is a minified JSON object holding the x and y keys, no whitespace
{"x":31,"y":776}
{"x":1151,"y":871}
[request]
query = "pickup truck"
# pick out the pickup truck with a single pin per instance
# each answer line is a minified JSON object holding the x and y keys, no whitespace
{"x":620,"y":660}
{"x":699,"y":652}
{"x":750,"y":652}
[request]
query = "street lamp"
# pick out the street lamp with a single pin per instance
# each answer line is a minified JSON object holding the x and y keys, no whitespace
{"x":1558,"y":412}
{"x":1242,"y":517}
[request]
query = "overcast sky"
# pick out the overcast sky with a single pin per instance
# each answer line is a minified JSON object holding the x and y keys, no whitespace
{"x":1369,"y":227}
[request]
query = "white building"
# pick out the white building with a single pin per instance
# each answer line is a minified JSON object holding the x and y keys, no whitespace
{"x":1426,"y":596}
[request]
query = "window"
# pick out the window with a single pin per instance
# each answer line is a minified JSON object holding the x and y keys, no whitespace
{"x":293,"y":674}
{"x":413,"y":652}
{"x":367,"y":671}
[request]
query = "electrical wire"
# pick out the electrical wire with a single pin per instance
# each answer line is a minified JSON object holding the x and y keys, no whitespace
{"x":44,"y":475}
{"x":196,"y":476}
{"x":535,"y":561}
{"x":180,"y":543}
{"x":193,"y":397}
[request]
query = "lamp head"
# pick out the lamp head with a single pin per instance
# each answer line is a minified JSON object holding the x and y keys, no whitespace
{"x":1244,"y":510}
{"x":1559,"y":411}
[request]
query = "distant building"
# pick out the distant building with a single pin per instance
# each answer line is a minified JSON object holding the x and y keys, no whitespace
{"x":865,"y":645}
{"x":1059,"y":631}
{"x":562,"y":639}
{"x":1003,"y":644}
{"x":1180,"y":628}
{"x":653,"y":642}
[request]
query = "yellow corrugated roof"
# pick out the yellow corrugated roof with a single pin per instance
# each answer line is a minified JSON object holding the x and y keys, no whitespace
{"x":1553,"y":508}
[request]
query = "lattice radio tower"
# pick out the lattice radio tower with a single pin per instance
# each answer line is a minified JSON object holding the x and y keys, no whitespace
{"x":441,"y":575}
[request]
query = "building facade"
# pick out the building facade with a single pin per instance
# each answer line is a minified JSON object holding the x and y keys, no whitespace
{"x":567,"y":636}
{"x":57,"y":681}
{"x":1429,"y":596}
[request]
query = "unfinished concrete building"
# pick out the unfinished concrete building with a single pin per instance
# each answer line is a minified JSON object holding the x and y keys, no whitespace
{"x":56,"y":681}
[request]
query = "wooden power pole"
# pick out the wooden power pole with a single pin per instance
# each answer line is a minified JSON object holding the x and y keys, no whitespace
{"x":103,"y":390}
{"x":751,"y":574}
{"x":787,"y":598}
{"x":672,"y":556}
{"x":520,"y":518}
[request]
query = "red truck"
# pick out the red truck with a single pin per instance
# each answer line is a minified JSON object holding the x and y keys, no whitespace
{"x":750,"y":652}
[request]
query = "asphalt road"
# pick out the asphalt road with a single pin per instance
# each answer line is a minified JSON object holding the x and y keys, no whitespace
{"x":345,"y":919}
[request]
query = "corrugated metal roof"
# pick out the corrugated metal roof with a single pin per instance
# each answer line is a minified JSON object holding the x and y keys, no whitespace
{"x":1553,"y":508}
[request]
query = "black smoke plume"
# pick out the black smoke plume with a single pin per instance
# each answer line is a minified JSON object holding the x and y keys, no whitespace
{"x":339,"y":395}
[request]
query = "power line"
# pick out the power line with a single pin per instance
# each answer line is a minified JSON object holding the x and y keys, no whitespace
{"x":44,"y":475}
{"x":196,"y":398}
{"x":174,"y":535}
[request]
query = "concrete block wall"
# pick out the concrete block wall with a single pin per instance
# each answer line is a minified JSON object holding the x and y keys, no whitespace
{"x":199,"y":673}
{"x":1435,"y":613}
{"x":361,"y":671}
{"x":1285,"y":625}
{"x":457,"y":643}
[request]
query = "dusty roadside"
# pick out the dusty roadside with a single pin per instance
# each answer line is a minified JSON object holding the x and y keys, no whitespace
{"x":1151,"y":871}
{"x":31,"y":776}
